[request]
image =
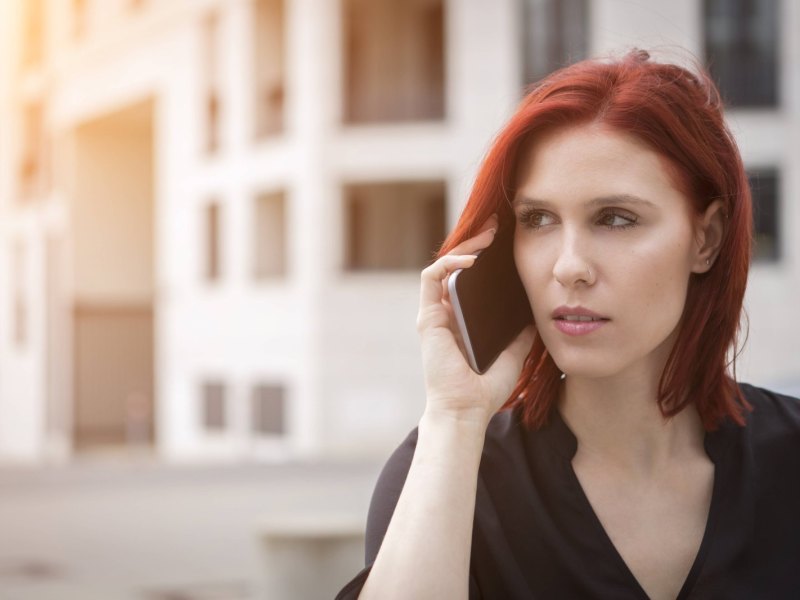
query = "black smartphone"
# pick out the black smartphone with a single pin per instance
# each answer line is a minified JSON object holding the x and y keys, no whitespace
{"x":489,"y":301}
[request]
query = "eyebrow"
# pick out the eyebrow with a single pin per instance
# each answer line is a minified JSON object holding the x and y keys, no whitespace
{"x":628,"y":199}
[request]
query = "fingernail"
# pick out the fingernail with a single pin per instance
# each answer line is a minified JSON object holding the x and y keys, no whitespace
{"x":492,"y":230}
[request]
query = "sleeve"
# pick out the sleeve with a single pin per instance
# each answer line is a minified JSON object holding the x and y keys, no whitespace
{"x":384,"y":499}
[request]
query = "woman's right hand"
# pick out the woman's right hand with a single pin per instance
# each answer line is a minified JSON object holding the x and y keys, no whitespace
{"x":452,"y":387}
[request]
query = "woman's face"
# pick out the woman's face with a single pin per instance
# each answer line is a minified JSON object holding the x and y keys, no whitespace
{"x":599,"y":224}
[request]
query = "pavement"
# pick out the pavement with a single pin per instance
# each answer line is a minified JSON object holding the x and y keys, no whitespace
{"x":147,"y":531}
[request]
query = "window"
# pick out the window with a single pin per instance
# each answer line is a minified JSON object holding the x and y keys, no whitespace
{"x":212,"y":92}
{"x":267,"y":415}
{"x":33,"y":39}
{"x":78,"y":17}
{"x":212,"y":240}
{"x":393,"y":226}
{"x":270,"y":236}
{"x":394,"y":60}
{"x":32,"y":152}
{"x":270,"y":66}
{"x":555,"y":34}
{"x":214,"y":405}
{"x":764,"y":184}
{"x":20,"y":306}
{"x":741,"y":45}
{"x":212,"y":120}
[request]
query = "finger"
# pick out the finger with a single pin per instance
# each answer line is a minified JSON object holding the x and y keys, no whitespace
{"x":478,"y":242}
{"x":431,"y":293}
{"x":492,"y":223}
{"x":473,"y":245}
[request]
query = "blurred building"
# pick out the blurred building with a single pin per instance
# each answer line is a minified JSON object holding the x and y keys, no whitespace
{"x":213,"y":213}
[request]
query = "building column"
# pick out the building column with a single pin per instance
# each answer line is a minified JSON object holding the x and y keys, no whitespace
{"x":310,"y":115}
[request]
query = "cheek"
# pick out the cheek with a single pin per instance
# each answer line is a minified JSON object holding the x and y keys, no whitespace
{"x":657,"y":279}
{"x":646,"y":271}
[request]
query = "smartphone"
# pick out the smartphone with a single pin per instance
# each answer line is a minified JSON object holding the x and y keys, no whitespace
{"x":489,"y":301}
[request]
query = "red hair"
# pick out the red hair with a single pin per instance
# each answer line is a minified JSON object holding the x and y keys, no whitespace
{"x":679,"y":114}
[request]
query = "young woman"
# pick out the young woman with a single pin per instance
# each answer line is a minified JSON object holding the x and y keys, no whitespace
{"x":607,"y":453}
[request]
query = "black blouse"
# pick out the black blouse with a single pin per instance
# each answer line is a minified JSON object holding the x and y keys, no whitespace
{"x":535,"y":534}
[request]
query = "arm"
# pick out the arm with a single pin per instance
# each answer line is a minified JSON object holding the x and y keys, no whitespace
{"x":426,"y":550}
{"x":428,"y":542}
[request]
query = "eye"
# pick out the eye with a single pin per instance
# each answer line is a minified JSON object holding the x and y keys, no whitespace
{"x":615,"y":219}
{"x":530,"y":218}
{"x":609,"y":218}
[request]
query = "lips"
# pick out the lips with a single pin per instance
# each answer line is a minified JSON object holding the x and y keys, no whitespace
{"x":577,"y":314}
{"x":577,"y":320}
{"x":580,"y":319}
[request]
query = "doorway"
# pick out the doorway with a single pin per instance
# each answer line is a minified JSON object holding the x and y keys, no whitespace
{"x":112,"y":237}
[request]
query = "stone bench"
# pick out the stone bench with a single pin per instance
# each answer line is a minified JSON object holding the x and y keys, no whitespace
{"x":310,"y":556}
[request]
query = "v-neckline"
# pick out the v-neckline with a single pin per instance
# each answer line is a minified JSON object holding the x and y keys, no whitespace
{"x":714,"y":444}
{"x":702,"y":550}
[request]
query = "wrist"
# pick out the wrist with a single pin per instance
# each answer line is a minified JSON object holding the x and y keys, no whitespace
{"x":449,"y":441}
{"x":473,"y":421}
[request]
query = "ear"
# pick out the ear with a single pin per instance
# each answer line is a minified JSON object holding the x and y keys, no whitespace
{"x":708,"y":232}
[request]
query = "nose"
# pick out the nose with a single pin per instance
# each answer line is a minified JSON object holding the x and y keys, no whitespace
{"x":573,"y":265}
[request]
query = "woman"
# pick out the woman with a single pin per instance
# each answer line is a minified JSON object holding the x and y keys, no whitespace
{"x":626,"y":462}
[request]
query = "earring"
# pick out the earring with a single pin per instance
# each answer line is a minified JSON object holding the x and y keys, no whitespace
{"x":708,"y":261}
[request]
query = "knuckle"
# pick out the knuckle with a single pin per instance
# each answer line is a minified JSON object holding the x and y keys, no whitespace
{"x":428,"y":271}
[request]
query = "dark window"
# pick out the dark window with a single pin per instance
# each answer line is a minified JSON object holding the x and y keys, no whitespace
{"x":214,"y":405}
{"x":394,"y":60}
{"x":33,"y":48}
{"x":268,"y":410}
{"x":20,"y":308}
{"x":270,"y":236}
{"x":212,"y":92}
{"x":32,"y":153}
{"x":269,"y":63}
{"x":393,"y":226}
{"x":741,"y":45}
{"x":212,"y":120}
{"x":78,"y":17}
{"x":212,"y":240}
{"x":20,"y":320}
{"x":765,"y":185}
{"x":555,"y":34}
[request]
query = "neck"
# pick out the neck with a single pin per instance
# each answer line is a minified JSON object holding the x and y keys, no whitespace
{"x":618,"y":424}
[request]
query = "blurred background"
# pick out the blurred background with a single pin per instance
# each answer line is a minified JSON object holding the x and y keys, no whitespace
{"x":213,"y":214}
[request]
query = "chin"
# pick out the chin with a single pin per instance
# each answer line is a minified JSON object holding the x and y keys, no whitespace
{"x":582,"y":367}
{"x":589,"y":374}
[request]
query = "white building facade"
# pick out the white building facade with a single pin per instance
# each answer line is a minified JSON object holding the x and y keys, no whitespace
{"x":213,"y":213}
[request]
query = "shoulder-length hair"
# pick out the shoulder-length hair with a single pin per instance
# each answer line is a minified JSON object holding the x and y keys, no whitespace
{"x":679,"y":114}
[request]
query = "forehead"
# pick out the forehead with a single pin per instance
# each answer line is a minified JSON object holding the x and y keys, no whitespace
{"x":588,"y":161}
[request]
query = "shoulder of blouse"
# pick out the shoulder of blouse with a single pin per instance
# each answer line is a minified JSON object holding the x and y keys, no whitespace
{"x":774,"y":420}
